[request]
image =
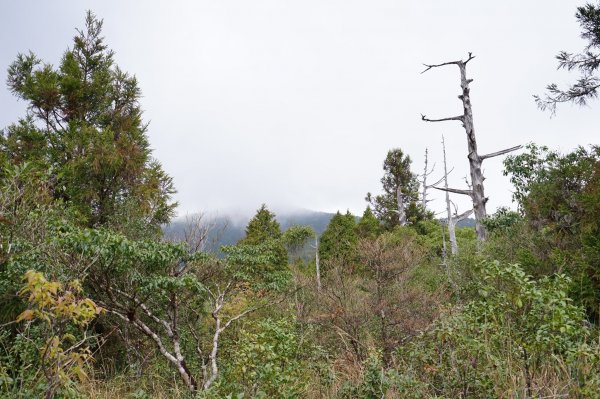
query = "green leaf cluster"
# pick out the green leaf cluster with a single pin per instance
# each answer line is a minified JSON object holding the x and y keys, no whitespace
{"x":339,"y":241}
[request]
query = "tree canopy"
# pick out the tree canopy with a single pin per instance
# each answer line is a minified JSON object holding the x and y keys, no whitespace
{"x":84,"y":124}
{"x":368,"y":226}
{"x":560,"y":193}
{"x":339,"y":241}
{"x":586,"y":62}
{"x":263,"y":229}
{"x":397,"y":176}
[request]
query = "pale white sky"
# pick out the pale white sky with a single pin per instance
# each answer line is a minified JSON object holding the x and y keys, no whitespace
{"x":296,"y":103}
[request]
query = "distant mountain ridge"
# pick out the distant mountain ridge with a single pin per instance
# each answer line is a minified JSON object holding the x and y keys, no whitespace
{"x":228,"y":229}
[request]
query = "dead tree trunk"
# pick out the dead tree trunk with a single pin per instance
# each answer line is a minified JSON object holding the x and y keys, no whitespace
{"x":451,"y":220}
{"x":424,"y":194}
{"x":444,"y":249}
{"x":451,"y":232}
{"x":426,"y":173}
{"x":401,"y":208}
{"x":476,"y":192}
{"x":317,"y":265}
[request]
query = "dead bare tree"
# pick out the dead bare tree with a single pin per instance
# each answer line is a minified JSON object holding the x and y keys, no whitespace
{"x":452,"y":220}
{"x":195,"y":231}
{"x":401,"y":207}
{"x":317,"y":262}
{"x":426,"y":173}
{"x":426,"y":186}
{"x":198,"y":231}
{"x":444,"y":248}
{"x":476,"y":192}
{"x":163,"y":331}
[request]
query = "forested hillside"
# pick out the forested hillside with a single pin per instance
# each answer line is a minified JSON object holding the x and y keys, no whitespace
{"x":224,"y":229}
{"x":105,"y":294}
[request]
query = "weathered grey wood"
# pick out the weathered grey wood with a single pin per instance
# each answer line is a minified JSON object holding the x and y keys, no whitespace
{"x":452,"y":118}
{"x":451,"y":220}
{"x":455,"y":190}
{"x":426,"y":173}
{"x":451,"y":231}
{"x":476,"y":192}
{"x":401,"y":209}
{"x":501,"y":152}
{"x":317,"y":262}
{"x":444,"y":250}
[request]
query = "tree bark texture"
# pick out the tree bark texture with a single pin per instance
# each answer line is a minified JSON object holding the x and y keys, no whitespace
{"x":401,"y":210}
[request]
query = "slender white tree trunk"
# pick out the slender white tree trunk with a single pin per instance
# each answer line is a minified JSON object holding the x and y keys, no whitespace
{"x":444,"y":248}
{"x":317,"y":265}
{"x":401,"y":210}
{"x":425,"y":173}
{"x":451,"y":230}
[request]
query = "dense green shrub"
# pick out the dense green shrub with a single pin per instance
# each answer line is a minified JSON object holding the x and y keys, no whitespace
{"x":516,"y":337}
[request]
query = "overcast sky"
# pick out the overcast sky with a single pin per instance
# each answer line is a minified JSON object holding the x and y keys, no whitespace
{"x":296,"y":103}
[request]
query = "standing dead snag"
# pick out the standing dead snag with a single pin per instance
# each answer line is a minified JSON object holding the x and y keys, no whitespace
{"x":476,"y":192}
{"x":426,"y":173}
{"x":401,"y":207}
{"x":452,"y":220}
{"x":317,"y":263}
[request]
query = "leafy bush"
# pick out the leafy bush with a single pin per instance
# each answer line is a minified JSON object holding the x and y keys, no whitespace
{"x":511,"y":339}
{"x":269,"y":361}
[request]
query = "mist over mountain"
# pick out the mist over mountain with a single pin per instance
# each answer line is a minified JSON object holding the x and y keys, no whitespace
{"x":228,"y":227}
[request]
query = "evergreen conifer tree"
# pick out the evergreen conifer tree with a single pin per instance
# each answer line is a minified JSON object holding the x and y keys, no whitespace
{"x":263,"y":228}
{"x":587,"y":62}
{"x":84,"y":124}
{"x":339,"y":240}
{"x":369,"y":226}
{"x":397,"y":175}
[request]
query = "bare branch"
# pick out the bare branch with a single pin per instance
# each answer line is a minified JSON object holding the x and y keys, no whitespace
{"x":501,"y":152}
{"x":239,"y":316}
{"x":430,"y":66}
{"x":468,"y":183}
{"x":462,"y":216}
{"x":147,"y":311}
{"x":455,"y":208}
{"x":455,"y":191}
{"x":430,"y":171}
{"x":441,"y":179}
{"x":459,"y":62}
{"x":426,"y":174}
{"x":471,"y":56}
{"x":452,"y":118}
{"x":146,"y":330}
